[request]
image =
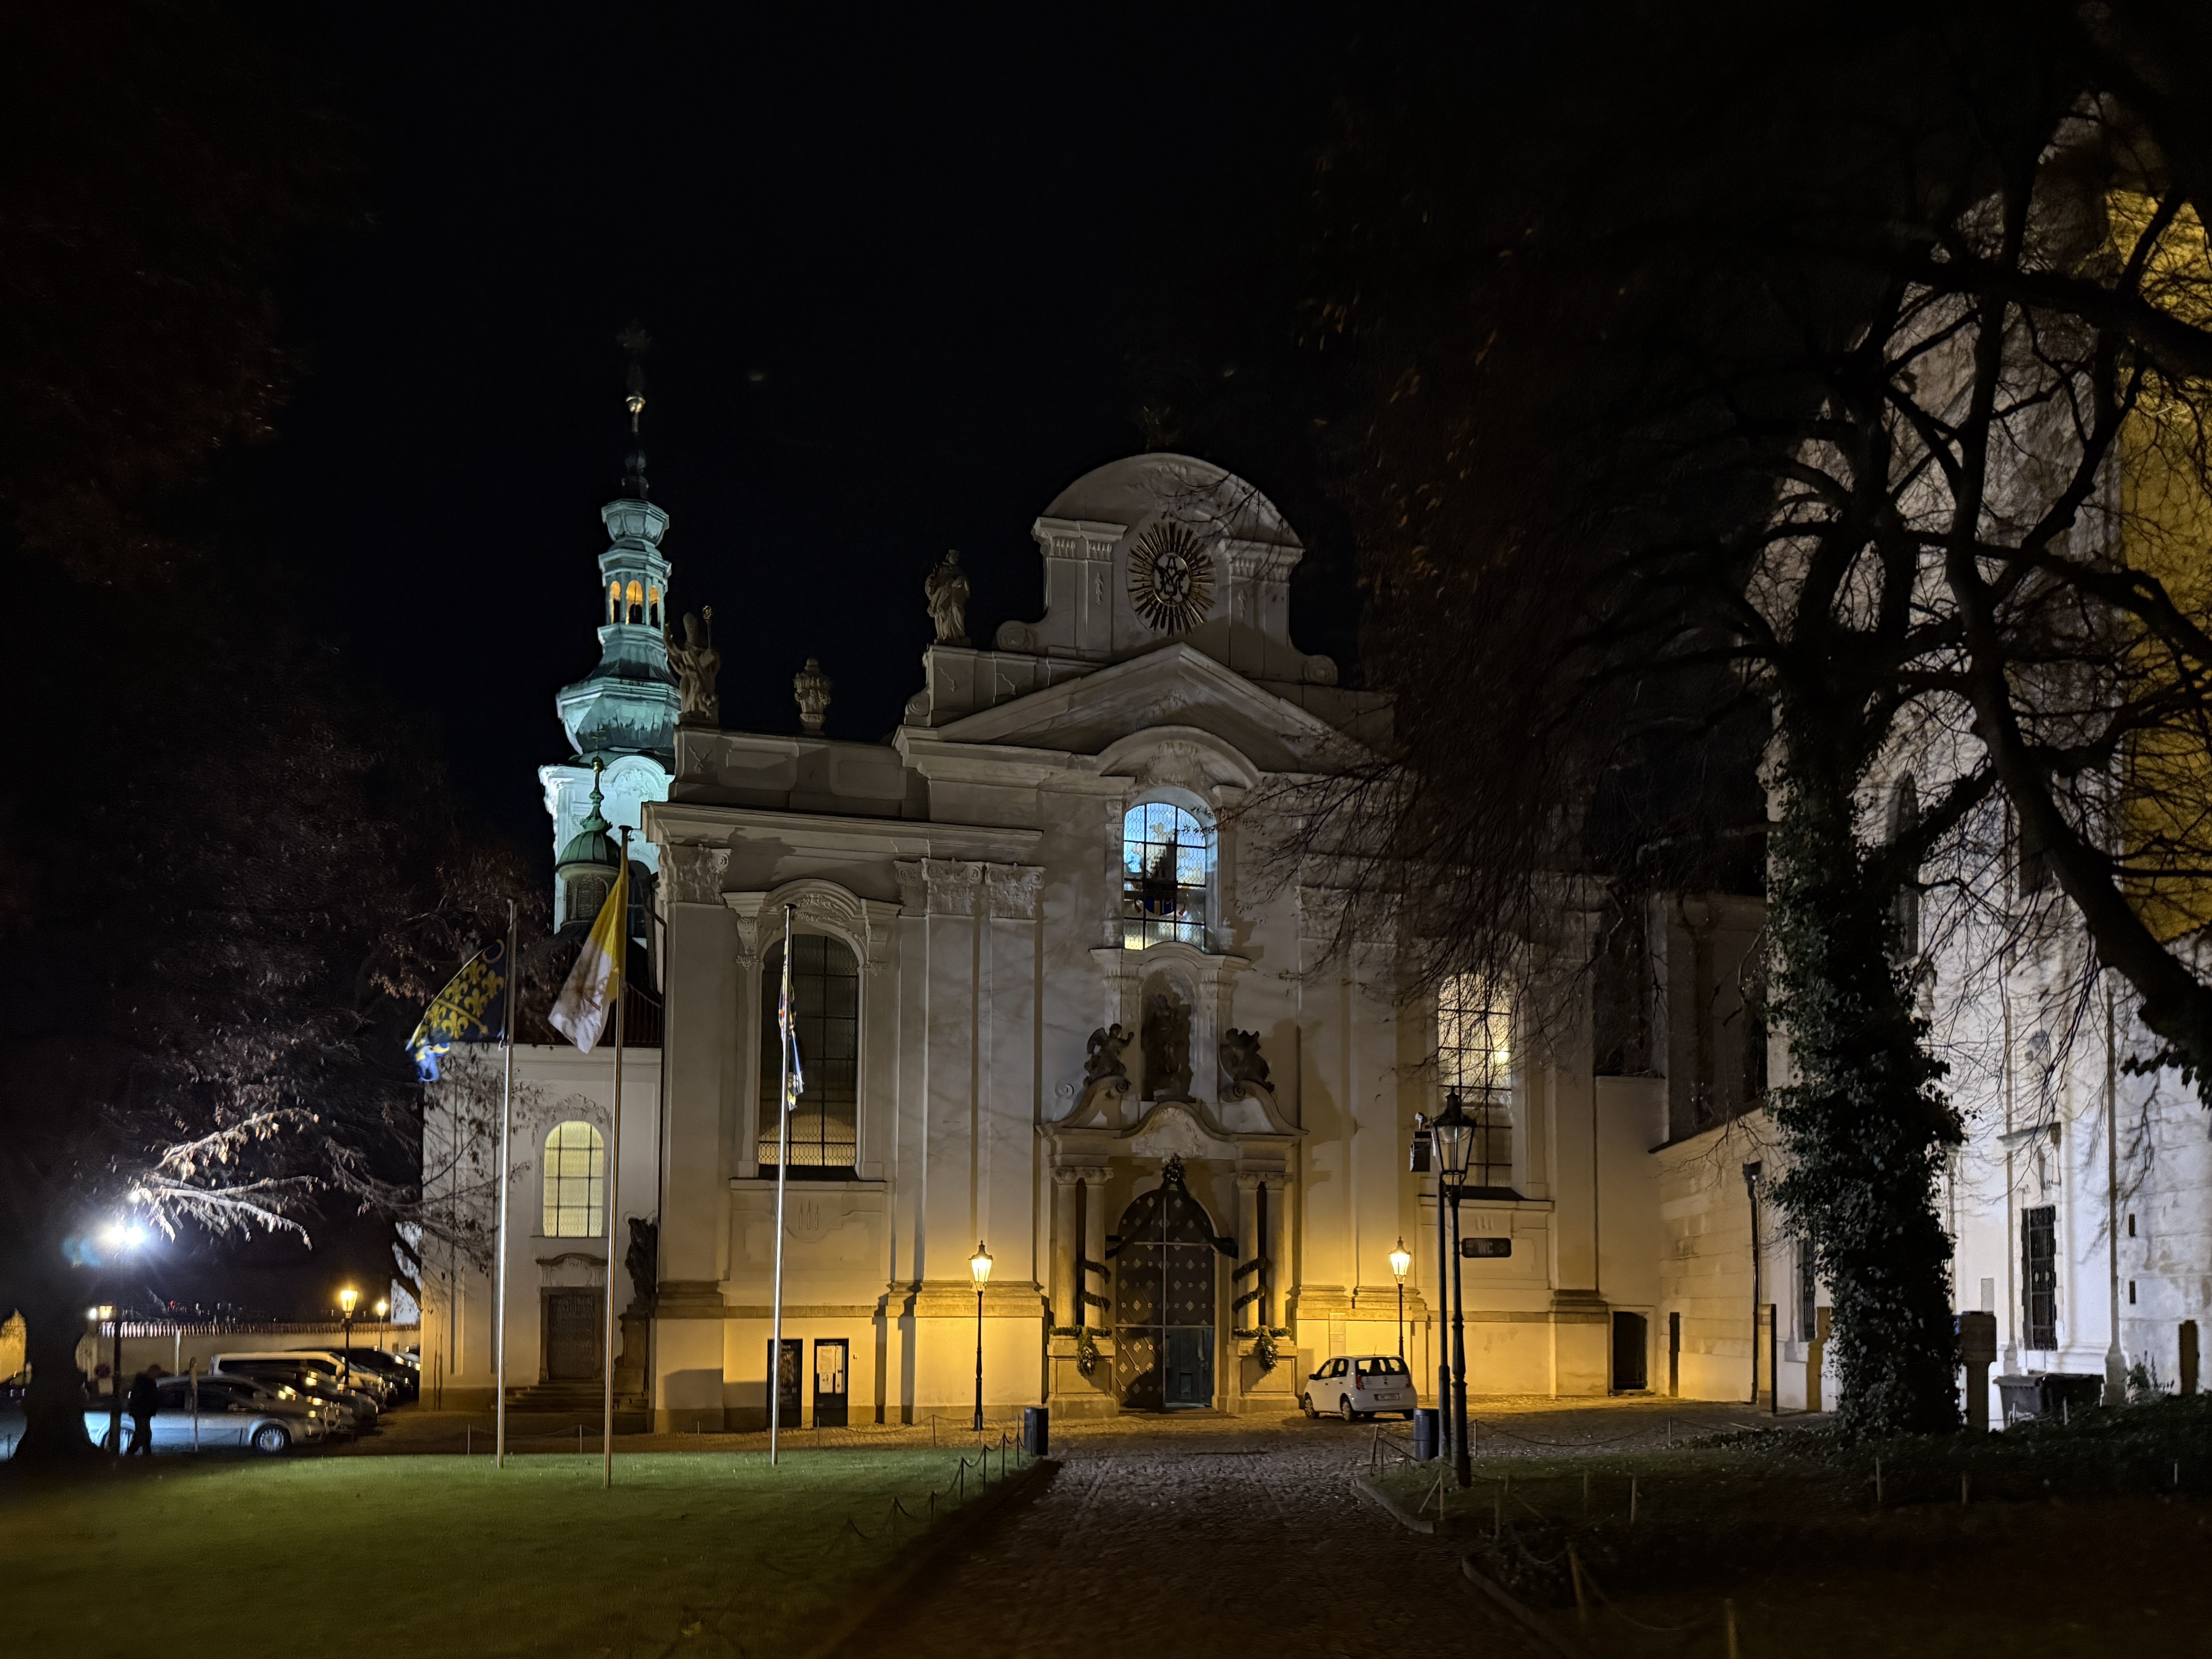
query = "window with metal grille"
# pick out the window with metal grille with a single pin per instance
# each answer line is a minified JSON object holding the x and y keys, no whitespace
{"x":1167,"y":871}
{"x":2038,"y":1272}
{"x":575,"y":1182}
{"x":1475,"y":1061}
{"x":825,"y":986}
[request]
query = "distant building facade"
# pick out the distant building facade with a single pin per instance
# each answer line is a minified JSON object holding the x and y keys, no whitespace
{"x":1060,"y":995}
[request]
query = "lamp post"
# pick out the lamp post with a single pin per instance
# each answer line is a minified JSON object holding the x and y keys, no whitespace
{"x":101,"y":1315}
{"x":980,"y":1265}
{"x":1401,"y":1260}
{"x":346,"y":1297}
{"x":1454,"y":1136}
{"x":383,"y":1321}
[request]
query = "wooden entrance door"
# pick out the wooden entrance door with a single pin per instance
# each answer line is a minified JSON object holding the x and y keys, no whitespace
{"x":575,"y":1338}
{"x":1165,"y":1292}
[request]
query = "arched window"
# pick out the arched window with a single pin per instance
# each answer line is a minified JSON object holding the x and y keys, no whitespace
{"x":1167,"y":875}
{"x":1475,"y":1060}
{"x":652,"y":605}
{"x":636,"y":600}
{"x":825,"y":985}
{"x":575,"y":1182}
{"x":614,"y":602}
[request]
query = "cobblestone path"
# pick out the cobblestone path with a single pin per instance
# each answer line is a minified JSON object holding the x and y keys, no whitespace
{"x":1197,"y":1537}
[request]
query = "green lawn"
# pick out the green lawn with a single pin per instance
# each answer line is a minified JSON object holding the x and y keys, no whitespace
{"x":2083,"y":1540}
{"x":696,"y":1554}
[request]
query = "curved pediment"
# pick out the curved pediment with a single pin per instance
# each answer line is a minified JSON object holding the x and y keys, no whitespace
{"x":1176,"y":687}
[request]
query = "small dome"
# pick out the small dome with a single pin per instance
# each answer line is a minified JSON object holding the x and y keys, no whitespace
{"x":591,"y":845}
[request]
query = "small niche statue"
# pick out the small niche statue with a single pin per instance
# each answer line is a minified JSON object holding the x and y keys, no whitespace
{"x":1103,"y":1057}
{"x":697,"y":664}
{"x":1166,"y":1038}
{"x":946,"y":590}
{"x":809,"y":689}
{"x":1243,"y":1064}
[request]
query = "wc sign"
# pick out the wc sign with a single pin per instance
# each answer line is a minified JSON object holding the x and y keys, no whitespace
{"x":1475,"y":1250}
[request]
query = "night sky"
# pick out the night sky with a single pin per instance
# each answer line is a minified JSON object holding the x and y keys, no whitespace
{"x":901,"y":281}
{"x":892,"y":272}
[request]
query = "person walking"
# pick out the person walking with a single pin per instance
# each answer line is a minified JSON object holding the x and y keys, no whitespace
{"x":143,"y":1399}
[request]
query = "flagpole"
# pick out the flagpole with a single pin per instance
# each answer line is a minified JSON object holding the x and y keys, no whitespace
{"x":786,"y":1016}
{"x":505,"y":1127}
{"x":618,"y":1005}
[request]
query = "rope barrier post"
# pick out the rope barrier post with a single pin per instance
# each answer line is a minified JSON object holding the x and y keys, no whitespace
{"x":1581,"y":1603}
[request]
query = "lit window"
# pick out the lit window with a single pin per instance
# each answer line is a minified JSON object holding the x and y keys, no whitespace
{"x":1475,"y":1061}
{"x":614,"y":602}
{"x":636,"y":601}
{"x":575,"y":1182}
{"x":652,"y":605}
{"x":1167,"y":867}
{"x":825,"y":988}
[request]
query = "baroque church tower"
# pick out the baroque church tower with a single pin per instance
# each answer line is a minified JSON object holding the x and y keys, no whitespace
{"x":621,"y":717}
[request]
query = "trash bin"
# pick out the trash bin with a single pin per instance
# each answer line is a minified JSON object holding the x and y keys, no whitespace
{"x":2067,"y":1395}
{"x":1036,"y":1430}
{"x":1424,"y":1435}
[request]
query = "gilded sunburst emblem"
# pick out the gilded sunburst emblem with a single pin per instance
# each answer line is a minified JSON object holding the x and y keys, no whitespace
{"x":1170,"y":579}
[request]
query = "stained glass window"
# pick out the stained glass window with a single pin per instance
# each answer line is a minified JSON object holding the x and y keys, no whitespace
{"x":1167,"y":869}
{"x":575,"y":1182}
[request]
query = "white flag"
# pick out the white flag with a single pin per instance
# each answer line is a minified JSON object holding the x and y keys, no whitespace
{"x":580,"y":1014}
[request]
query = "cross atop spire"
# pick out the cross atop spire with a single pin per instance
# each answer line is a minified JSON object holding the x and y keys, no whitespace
{"x":634,"y":342}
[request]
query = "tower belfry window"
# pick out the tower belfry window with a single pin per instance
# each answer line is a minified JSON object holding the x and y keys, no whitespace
{"x":636,"y":600}
{"x":652,"y":605}
{"x":614,"y":602}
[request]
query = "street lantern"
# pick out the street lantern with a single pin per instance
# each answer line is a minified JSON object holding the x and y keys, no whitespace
{"x":1455,"y":1137}
{"x":979,"y":1266}
{"x":346,"y":1297}
{"x":1402,"y":1260}
{"x":1454,"y":1133}
{"x":383,"y":1321}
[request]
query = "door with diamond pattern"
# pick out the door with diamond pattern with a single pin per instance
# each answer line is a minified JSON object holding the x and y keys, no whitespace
{"x":1164,"y":1293}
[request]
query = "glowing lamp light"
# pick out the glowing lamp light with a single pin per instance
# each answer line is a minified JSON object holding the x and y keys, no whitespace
{"x":1401,"y":1261}
{"x":123,"y":1235}
{"x":346,"y":1297}
{"x":382,"y":1307}
{"x":103,"y":1312}
{"x":980,"y":1265}
{"x":1455,"y":1135}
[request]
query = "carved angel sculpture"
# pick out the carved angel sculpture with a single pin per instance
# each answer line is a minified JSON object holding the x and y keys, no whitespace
{"x":946,"y":590}
{"x":1243,"y":1063}
{"x":1102,"y":1057}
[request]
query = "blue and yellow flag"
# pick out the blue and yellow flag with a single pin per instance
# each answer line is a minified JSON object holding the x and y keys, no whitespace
{"x":473,"y":1008}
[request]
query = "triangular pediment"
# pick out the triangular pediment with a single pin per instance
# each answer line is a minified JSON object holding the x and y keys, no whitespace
{"x":1173,"y":686}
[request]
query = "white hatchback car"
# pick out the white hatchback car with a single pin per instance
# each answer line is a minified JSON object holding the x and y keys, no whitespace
{"x":1360,"y":1385}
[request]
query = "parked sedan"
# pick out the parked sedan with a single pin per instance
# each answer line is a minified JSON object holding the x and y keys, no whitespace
{"x":356,"y":1410}
{"x":1360,"y":1385}
{"x":224,"y":1419}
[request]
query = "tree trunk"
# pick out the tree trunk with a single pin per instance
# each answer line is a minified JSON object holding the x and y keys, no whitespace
{"x":53,"y":1412}
{"x":1865,"y":1126}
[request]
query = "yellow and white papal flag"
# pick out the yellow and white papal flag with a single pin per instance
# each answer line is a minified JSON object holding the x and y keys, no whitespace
{"x":580,"y":1013}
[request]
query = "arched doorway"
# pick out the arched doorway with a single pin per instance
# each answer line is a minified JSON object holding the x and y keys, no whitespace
{"x":1164,"y":1295}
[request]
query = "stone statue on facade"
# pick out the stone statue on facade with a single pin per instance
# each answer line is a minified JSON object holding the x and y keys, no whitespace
{"x":643,"y":1261}
{"x":1243,"y":1064}
{"x":697,"y":664}
{"x":809,"y":689}
{"x":946,"y":590}
{"x":1167,"y":1047}
{"x":1103,"y":1055}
